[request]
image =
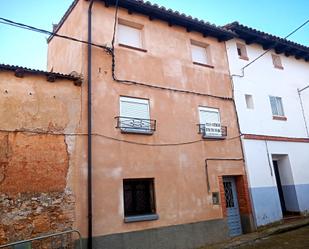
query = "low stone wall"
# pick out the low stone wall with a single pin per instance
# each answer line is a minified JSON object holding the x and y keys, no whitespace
{"x":30,"y":215}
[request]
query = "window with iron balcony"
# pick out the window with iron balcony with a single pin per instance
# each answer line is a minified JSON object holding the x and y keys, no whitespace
{"x":210,"y":125}
{"x":135,"y":117}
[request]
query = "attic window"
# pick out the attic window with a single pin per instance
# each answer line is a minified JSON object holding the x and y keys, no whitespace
{"x":200,"y":54}
{"x":277,"y":61}
{"x":130,"y":35}
{"x":242,"y":51}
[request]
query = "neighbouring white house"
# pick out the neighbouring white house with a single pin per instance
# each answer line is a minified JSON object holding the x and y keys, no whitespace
{"x":272,"y":101}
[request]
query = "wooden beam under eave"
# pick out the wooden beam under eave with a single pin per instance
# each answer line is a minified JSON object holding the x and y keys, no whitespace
{"x":19,"y":73}
{"x":252,"y":40}
{"x":268,"y":45}
{"x":280,"y":50}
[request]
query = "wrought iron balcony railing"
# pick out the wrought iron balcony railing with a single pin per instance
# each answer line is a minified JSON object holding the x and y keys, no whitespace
{"x":136,"y":125}
{"x":212,"y":131}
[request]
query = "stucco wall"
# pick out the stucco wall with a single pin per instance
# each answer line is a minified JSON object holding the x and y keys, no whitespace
{"x":179,"y":171}
{"x":37,"y":159}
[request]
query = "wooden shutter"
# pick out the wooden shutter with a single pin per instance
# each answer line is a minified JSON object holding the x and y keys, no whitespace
{"x":199,"y":54}
{"x":129,"y":36}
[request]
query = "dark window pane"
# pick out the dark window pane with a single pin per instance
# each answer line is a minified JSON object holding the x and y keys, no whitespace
{"x":138,"y":197}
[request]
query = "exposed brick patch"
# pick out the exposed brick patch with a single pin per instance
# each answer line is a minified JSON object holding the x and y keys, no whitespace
{"x":32,"y":163}
{"x":243,"y":195}
{"x":222,"y":196}
{"x":29,"y":215}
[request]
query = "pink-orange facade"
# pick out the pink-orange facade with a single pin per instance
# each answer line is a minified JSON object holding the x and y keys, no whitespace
{"x":186,"y":169}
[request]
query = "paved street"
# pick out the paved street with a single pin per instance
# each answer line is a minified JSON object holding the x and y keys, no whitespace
{"x":295,"y":239}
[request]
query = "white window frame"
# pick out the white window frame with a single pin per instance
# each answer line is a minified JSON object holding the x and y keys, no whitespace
{"x":139,"y":124}
{"x":211,"y":129}
{"x":276,"y":106}
{"x":125,"y":26}
{"x":204,"y":52}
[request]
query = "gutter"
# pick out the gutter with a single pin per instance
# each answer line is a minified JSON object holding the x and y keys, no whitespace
{"x":89,"y":133}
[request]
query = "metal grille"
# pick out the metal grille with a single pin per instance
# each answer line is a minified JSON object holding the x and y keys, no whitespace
{"x":128,"y":124}
{"x":212,"y":130}
{"x":229,"y":200}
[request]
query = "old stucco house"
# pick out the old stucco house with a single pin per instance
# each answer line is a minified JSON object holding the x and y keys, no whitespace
{"x":163,"y":167}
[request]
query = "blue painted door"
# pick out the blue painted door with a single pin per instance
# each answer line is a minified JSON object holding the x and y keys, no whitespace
{"x":233,"y":217}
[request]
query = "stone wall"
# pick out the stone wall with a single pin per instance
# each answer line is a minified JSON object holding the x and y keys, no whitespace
{"x":27,"y":215}
{"x":34,"y":199}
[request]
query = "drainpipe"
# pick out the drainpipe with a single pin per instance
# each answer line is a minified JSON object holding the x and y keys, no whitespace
{"x":89,"y":183}
{"x":302,"y":107}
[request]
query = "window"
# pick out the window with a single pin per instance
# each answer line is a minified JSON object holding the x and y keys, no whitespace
{"x":134,"y":116}
{"x":210,"y":124}
{"x":200,"y":54}
{"x":249,"y":101}
{"x":276,"y":106}
{"x":276,"y":61}
{"x":242,"y":51}
{"x":130,"y":35}
{"x":139,"y":199}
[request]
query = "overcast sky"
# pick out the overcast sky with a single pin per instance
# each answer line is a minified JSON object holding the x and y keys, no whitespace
{"x":25,"y":48}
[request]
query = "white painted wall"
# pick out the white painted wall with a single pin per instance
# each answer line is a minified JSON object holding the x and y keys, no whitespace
{"x":261,"y":80}
{"x":259,"y":172}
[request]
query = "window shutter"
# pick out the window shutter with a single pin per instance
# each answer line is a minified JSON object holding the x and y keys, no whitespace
{"x":199,"y":54}
{"x":273,"y":104}
{"x":134,"y":108}
{"x":129,"y":36}
{"x":279,"y":106}
{"x":210,"y":117}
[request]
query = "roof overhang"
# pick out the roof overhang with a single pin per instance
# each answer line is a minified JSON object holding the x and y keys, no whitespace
{"x":268,"y":41}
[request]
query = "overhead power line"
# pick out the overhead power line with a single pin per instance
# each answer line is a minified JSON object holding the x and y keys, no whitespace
{"x":110,"y":51}
{"x":46,"y":32}
{"x":261,"y":55}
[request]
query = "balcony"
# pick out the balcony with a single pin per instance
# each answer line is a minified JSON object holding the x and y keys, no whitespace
{"x":136,"y":125}
{"x":212,"y":131}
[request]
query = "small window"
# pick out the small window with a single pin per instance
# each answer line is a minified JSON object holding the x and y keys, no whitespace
{"x":276,"y":61}
{"x":200,"y":54}
{"x":242,"y":51}
{"x":130,"y":35}
{"x":139,"y":199}
{"x":276,"y":106}
{"x":134,"y":116}
{"x":210,"y":122}
{"x":249,"y":101}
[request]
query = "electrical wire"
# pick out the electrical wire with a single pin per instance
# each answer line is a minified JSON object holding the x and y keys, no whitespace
{"x":43,"y":31}
{"x":112,"y":53}
{"x":40,"y":132}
